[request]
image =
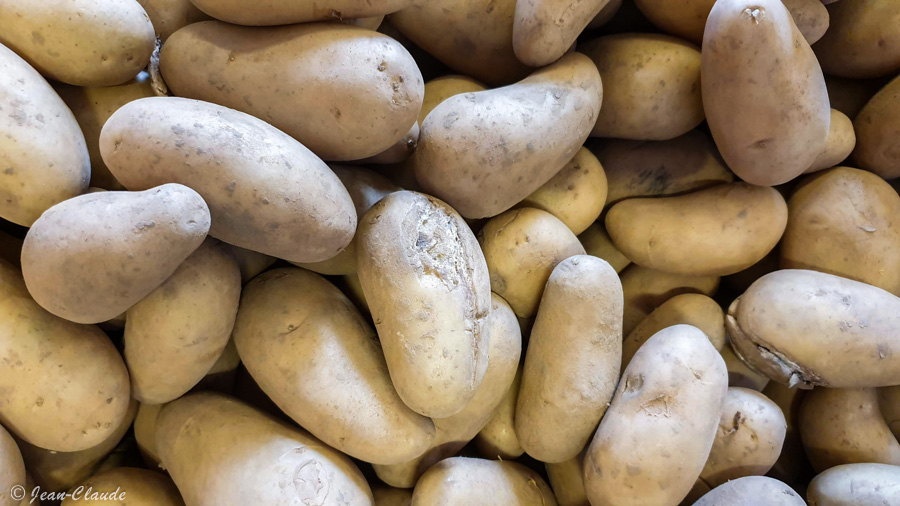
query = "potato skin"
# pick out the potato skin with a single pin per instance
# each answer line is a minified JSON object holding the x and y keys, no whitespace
{"x":92,"y":257}
{"x":461,"y":480}
{"x":497,"y":439}
{"x":862,"y":40}
{"x":646,"y":289}
{"x":12,"y":468}
{"x":877,"y":127}
{"x":43,"y":152}
{"x":428,"y":288}
{"x":80,"y":42}
{"x":686,"y":21}
{"x":597,"y":243}
{"x":364,"y":103}
{"x":751,"y":491}
{"x":838,"y":145}
{"x":168,"y":16}
{"x":442,"y":88}
{"x":750,"y":49}
{"x":287,"y":12}
{"x":855,"y":485}
{"x":810,"y":16}
{"x":661,"y":423}
{"x":809,"y":329}
{"x":567,"y":481}
{"x":544,"y":30}
{"x":139,"y":487}
{"x":388,"y":496}
{"x":475,"y":153}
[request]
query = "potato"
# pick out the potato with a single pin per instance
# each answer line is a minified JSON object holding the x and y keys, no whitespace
{"x":651,"y":86}
{"x":145,"y":433}
{"x":266,"y":191}
{"x":263,"y":461}
{"x":597,"y":243}
{"x":12,"y":468}
{"x":80,"y":42}
{"x":92,"y":257}
{"x":717,"y":231}
{"x":647,"y":289}
{"x":442,"y":88}
{"x":567,"y":481}
{"x":660,"y":426}
{"x":355,"y":94}
{"x":855,"y":485}
{"x":791,"y":465}
{"x":889,"y":403}
{"x":461,"y":480}
{"x":811,"y":329}
{"x":739,"y":373}
{"x":810,"y":16}
{"x":543,"y":30}
{"x":42,"y":151}
{"x":282,"y":12}
{"x":862,"y":41}
{"x":748,"y":51}
{"x":168,"y":16}
{"x":751,"y":491}
{"x":399,"y":152}
{"x":877,"y":128}
{"x":475,"y":154}
{"x":838,"y":145}
{"x":522,"y":247}
{"x":656,"y":168}
{"x":250,"y":262}
{"x":688,"y":308}
{"x":369,"y":23}
{"x":388,"y":496}
{"x":125,"y":485}
{"x":572,"y":364}
{"x":576,"y":194}
{"x":497,"y":439}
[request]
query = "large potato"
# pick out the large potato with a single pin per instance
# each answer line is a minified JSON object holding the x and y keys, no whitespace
{"x":80,"y":42}
{"x":543,"y":30}
{"x":442,"y":88}
{"x":92,"y":257}
{"x":767,"y":138}
{"x":286,"y":12}
{"x":752,"y":491}
{"x":811,"y":329}
{"x":855,"y":485}
{"x":661,"y":424}
{"x":168,"y":16}
{"x":651,"y":86}
{"x":345,"y":92}
{"x":125,"y":485}
{"x":877,"y":128}
{"x":572,"y":364}
{"x":485,"y":151}
{"x":647,"y":289}
{"x":42,"y":152}
{"x":477,"y":482}
{"x":12,"y":468}
{"x":497,"y":439}
{"x":838,"y":145}
{"x":597,"y":243}
{"x":862,"y":39}
{"x":567,"y":481}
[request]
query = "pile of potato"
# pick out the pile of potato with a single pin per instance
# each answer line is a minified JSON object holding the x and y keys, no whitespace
{"x":449,"y":252}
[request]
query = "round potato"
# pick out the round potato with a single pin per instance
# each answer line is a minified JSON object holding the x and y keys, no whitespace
{"x":855,"y":485}
{"x":497,"y":439}
{"x":877,"y":128}
{"x":647,"y":289}
{"x":168,"y":16}
{"x":839,"y":144}
{"x":862,"y":39}
{"x":12,"y":468}
{"x":286,"y":12}
{"x":543,"y":30}
{"x":567,"y":481}
{"x":597,"y":243}
{"x":810,"y":16}
{"x":442,"y":88}
{"x":477,"y":482}
{"x":125,"y":485}
{"x":752,"y":491}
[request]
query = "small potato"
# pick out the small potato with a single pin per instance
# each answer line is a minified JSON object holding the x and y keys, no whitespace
{"x":497,"y":439}
{"x":168,"y":16}
{"x":477,"y":482}
{"x":839,"y":144}
{"x":712,"y":232}
{"x":792,"y":464}
{"x":752,"y":491}
{"x":92,"y":257}
{"x":544,"y":30}
{"x":877,"y":129}
{"x":647,"y":289}
{"x":485,"y":151}
{"x":810,"y":16}
{"x":855,"y":485}
{"x":651,"y":86}
{"x":605,"y":15}
{"x":660,"y":426}
{"x":686,"y":21}
{"x":12,"y":469}
{"x":250,"y":262}
{"x":572,"y":364}
{"x":442,"y":88}
{"x":286,"y":12}
{"x":597,"y":243}
{"x":522,"y":247}
{"x":126,"y":486}
{"x":741,"y":374}
{"x":389,"y":496}
{"x":862,"y":40}
{"x":811,"y":329}
{"x":567,"y":481}
{"x":889,"y":403}
{"x":145,"y":433}
{"x":80,"y":42}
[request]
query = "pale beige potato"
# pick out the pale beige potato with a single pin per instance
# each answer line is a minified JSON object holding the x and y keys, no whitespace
{"x":12,"y":469}
{"x":389,"y":496}
{"x":266,"y":191}
{"x":877,"y":127}
{"x":355,"y":94}
{"x":80,"y":42}
{"x":597,"y":243}
{"x":250,"y":262}
{"x":92,"y":257}
{"x":567,"y":481}
{"x":889,"y":404}
{"x":168,"y":16}
{"x":145,"y":433}
{"x":478,"y":482}
{"x":651,"y":86}
{"x":739,"y":373}
{"x":654,"y":438}
{"x":749,"y":50}
{"x":498,"y":440}
{"x":862,"y":40}
{"x":234,"y":454}
{"x":398,"y":152}
{"x":605,"y":15}
{"x":810,"y":16}
{"x":844,"y":426}
{"x":522,"y":247}
{"x":543,"y":30}
{"x":647,"y":289}
{"x":125,"y":486}
{"x":838,"y":145}
{"x":752,"y":491}
{"x":792,"y":463}
{"x":572,"y":363}
{"x":576,"y":194}
{"x":482,"y":152}
{"x":855,"y":485}
{"x":440,"y":89}
{"x":286,"y":12}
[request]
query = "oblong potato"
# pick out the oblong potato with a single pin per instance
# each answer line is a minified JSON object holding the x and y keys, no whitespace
{"x":442,"y":88}
{"x":752,"y":491}
{"x":597,"y":243}
{"x":136,"y":486}
{"x":287,"y":12}
{"x":497,"y":439}
{"x":862,"y":39}
{"x":80,"y":42}
{"x":855,"y":485}
{"x":839,"y":144}
{"x":877,"y":127}
{"x":750,"y":49}
{"x":168,"y":16}
{"x":355,"y":95}
{"x":567,"y":481}
{"x":809,"y":328}
{"x":12,"y":470}
{"x":92,"y":257}
{"x":712,"y":232}
{"x":477,"y":482}
{"x":651,"y":86}
{"x":647,"y":289}
{"x":543,"y":30}
{"x":572,"y":364}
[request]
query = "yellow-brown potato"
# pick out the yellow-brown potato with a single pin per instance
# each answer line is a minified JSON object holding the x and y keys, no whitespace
{"x":877,"y":128}
{"x":145,"y":433}
{"x":889,"y":403}
{"x":749,"y":50}
{"x":477,"y":482}
{"x":442,"y":88}
{"x":739,"y":373}
{"x":522,"y":247}
{"x":389,"y":496}
{"x":265,"y":190}
{"x":42,"y":152}
{"x":567,"y":481}
{"x":286,"y":12}
{"x":809,"y":328}
{"x":355,"y":94}
{"x":687,"y":20}
{"x":752,"y":491}
{"x":220,"y":451}
{"x":80,"y":42}
{"x":845,"y":426}
{"x":862,"y":40}
{"x":576,"y":194}
{"x":659,"y":428}
{"x":651,"y":86}
{"x":12,"y":469}
{"x":168,"y":16}
{"x":92,"y":257}
{"x":125,"y":486}
{"x":810,"y":16}
{"x":498,"y":440}
{"x":572,"y":364}
{"x":717,"y":231}
{"x":543,"y":30}
{"x":605,"y":15}
{"x":792,"y":464}
{"x":250,"y":262}
{"x":646,"y":289}
{"x":485,"y":151}
{"x":597,"y":243}
{"x":865,"y":484}
{"x":839,"y":144}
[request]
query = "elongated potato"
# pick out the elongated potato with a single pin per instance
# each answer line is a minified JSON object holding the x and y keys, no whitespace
{"x":752,"y":491}
{"x":498,"y":440}
{"x":263,"y":462}
{"x":139,"y":487}
{"x":477,"y":482}
{"x":838,"y":145}
{"x":855,"y":485}
{"x":811,"y":329}
{"x":90,"y":258}
{"x":168,"y":16}
{"x":660,"y":426}
{"x":12,"y":469}
{"x":651,"y":86}
{"x":597,"y":243}
{"x":483,"y":152}
{"x":862,"y":39}
{"x":266,"y":191}
{"x":442,"y":88}
{"x":567,"y":481}
{"x":543,"y":30}
{"x":877,"y":128}
{"x":572,"y":364}
{"x":750,"y":49}
{"x":364,"y":103}
{"x":792,"y":464}
{"x":281,"y":12}
{"x":647,"y":289}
